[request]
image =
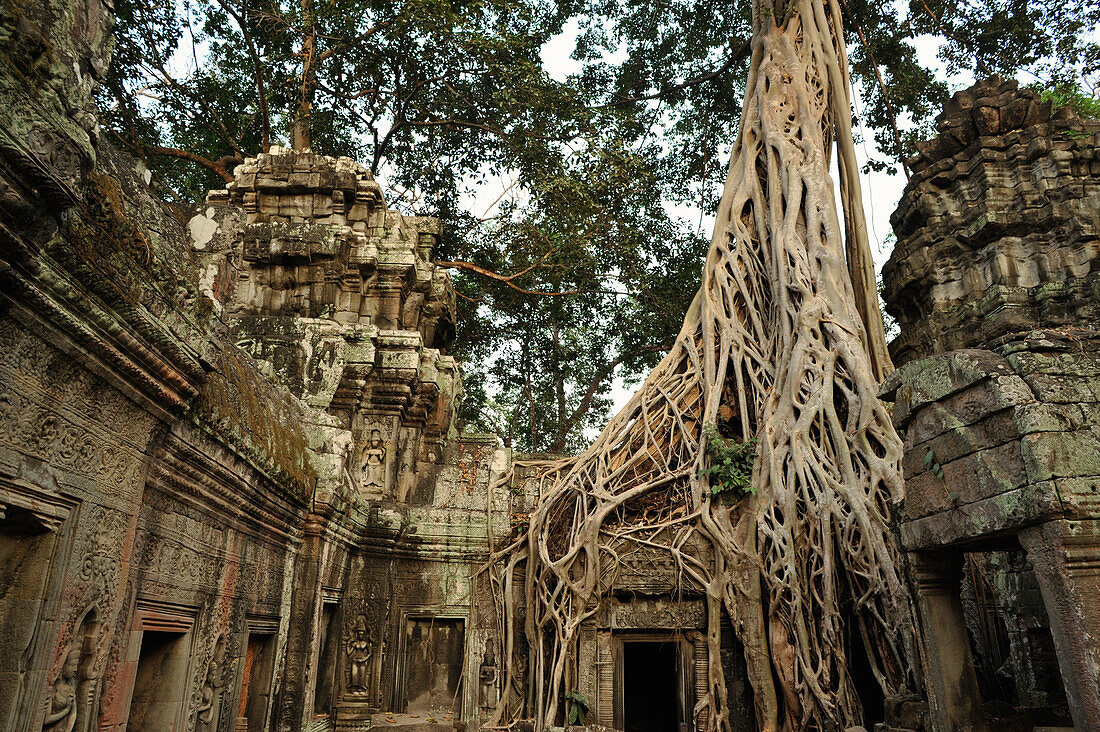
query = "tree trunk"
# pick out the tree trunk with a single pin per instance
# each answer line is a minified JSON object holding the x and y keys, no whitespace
{"x":782,"y":345}
{"x":300,"y":126}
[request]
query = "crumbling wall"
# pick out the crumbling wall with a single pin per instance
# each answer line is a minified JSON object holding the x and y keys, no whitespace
{"x":996,"y":285}
{"x":225,"y":433}
{"x":997,"y":231}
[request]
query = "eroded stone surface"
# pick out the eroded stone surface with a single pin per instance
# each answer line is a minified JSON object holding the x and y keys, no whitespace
{"x":995,"y":284}
{"x":232,"y":494}
{"x":997,"y":230}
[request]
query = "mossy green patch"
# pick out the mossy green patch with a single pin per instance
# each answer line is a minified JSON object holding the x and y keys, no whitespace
{"x":261,"y":421}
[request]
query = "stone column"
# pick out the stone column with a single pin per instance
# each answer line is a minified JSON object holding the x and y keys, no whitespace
{"x":954,"y":700}
{"x":1066,"y":557}
{"x":390,"y":287}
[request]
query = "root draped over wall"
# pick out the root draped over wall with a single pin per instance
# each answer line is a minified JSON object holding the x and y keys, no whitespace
{"x":782,"y":344}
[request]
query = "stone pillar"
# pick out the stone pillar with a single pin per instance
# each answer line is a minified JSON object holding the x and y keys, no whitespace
{"x":1066,"y":557}
{"x":299,"y":675}
{"x":953,"y":696}
{"x":390,"y":289}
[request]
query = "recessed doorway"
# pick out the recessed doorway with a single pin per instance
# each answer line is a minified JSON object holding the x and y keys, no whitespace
{"x":652,"y":688}
{"x":434,"y":650}
{"x":161,"y":682}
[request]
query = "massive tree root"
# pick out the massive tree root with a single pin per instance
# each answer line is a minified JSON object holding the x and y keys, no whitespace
{"x":783,"y":344}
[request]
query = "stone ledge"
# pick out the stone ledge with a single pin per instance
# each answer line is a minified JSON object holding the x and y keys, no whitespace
{"x":984,"y":520}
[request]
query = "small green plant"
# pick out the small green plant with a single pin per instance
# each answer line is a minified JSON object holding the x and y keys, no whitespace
{"x":520,"y":522}
{"x":730,"y":470}
{"x":578,"y":707}
{"x":932,"y":464}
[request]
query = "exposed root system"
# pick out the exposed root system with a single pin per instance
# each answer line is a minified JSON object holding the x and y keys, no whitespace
{"x":783,"y":344}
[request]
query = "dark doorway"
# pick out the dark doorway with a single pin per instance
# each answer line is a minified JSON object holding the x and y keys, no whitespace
{"x":865,"y":682}
{"x":160,"y":686}
{"x":326,"y":659}
{"x":434,"y":649}
{"x":650,"y":687}
{"x":256,"y":681}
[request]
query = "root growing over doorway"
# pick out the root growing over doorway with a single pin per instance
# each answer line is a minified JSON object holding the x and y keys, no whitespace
{"x":783,"y":345}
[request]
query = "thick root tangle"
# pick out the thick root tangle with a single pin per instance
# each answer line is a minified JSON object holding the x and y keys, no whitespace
{"x":780,"y":346}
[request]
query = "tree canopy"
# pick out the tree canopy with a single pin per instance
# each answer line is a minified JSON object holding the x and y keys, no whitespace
{"x":581,"y":270}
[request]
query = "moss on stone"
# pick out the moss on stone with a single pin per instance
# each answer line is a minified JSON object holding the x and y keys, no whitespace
{"x":256,"y":417}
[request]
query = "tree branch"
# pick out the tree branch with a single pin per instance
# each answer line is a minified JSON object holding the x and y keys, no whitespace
{"x":506,"y":279}
{"x":593,"y":389}
{"x":257,"y":73}
{"x":210,"y":165}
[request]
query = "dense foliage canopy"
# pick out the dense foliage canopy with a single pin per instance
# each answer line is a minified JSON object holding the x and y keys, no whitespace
{"x":580,"y":271}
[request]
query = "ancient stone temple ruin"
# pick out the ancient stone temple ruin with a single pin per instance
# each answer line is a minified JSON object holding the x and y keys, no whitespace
{"x":995,"y":282}
{"x":234,"y":495}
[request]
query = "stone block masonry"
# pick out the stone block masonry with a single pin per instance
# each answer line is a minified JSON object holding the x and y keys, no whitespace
{"x":995,"y":285}
{"x":231,"y":489}
{"x":233,"y":496}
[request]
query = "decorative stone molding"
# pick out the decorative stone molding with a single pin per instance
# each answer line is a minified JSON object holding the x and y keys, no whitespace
{"x":997,"y":229}
{"x":334,"y":296}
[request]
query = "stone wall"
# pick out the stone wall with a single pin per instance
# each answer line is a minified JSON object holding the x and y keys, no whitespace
{"x":996,"y":285}
{"x":233,"y":497}
{"x":998,"y":231}
{"x":229,"y":478}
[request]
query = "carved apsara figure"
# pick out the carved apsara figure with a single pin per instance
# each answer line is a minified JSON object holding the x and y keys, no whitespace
{"x":61,"y":716}
{"x":488,"y":679}
{"x":359,"y":655}
{"x":374,"y":460}
{"x":207,"y":709}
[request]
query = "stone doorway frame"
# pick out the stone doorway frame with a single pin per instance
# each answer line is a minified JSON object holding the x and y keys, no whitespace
{"x":1065,"y":556}
{"x":400,"y":668}
{"x":55,"y":515}
{"x":163,"y":617}
{"x":685,"y":671}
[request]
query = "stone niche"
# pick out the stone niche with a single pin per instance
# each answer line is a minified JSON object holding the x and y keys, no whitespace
{"x":998,"y":230}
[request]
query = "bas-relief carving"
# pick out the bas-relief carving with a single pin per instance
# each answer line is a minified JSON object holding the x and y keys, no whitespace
{"x":665,"y":614}
{"x":56,"y":154}
{"x":377,"y":452}
{"x":372,"y":460}
{"x":55,"y":411}
{"x":210,"y":693}
{"x":72,"y":696}
{"x":487,"y":679}
{"x":36,"y":369}
{"x":360,"y":650}
{"x":61,"y":712}
{"x":30,"y":429}
{"x":103,"y":535}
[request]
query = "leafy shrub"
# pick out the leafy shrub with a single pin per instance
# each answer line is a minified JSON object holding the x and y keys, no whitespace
{"x":1067,"y":94}
{"x":730,"y":470}
{"x":578,"y":707}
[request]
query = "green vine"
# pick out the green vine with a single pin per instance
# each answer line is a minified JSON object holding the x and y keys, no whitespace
{"x":730,"y":470}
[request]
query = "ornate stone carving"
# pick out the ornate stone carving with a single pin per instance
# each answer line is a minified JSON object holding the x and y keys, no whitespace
{"x":210,"y":695}
{"x":487,"y":679}
{"x":360,"y":651}
{"x":373,"y":463}
{"x":62,"y":710}
{"x":997,"y":227}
